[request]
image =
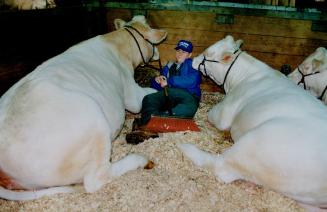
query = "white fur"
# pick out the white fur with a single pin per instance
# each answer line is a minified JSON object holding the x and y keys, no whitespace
{"x":314,"y":63}
{"x":57,"y":123}
{"x":279,"y":129}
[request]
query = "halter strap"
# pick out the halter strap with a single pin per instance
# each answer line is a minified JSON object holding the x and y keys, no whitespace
{"x":137,"y":43}
{"x":230,"y":67}
{"x":138,"y":46}
{"x":303,"y":77}
{"x":323,"y":93}
{"x":304,"y":84}
{"x":216,"y":61}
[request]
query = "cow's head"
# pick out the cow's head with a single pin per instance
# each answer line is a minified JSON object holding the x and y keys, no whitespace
{"x":216,"y":59}
{"x":313,"y":64}
{"x":151,"y":37}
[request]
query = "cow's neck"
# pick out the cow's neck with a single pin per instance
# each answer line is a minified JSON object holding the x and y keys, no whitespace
{"x":126,"y":47}
{"x":244,"y":68}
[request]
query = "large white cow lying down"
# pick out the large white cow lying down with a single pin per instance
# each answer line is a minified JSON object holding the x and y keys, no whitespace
{"x":312,"y":74}
{"x":57,"y":123}
{"x":279,"y":130}
{"x":30,"y":4}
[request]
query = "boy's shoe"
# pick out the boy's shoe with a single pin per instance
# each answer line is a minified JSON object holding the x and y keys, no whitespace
{"x":136,"y":124}
{"x":138,"y":136}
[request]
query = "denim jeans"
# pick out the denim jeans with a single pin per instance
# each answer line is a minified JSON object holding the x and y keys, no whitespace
{"x":181,"y":103}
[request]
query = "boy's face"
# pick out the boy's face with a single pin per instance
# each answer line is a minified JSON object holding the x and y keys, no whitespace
{"x":182,"y":55}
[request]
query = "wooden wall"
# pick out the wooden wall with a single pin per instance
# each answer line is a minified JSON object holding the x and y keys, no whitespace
{"x":275,"y":41}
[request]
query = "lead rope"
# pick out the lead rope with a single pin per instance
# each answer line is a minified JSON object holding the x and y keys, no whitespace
{"x":216,"y":61}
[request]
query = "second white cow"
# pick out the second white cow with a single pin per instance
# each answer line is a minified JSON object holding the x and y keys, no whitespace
{"x":57,"y":123}
{"x":311,"y":74}
{"x":279,"y":129}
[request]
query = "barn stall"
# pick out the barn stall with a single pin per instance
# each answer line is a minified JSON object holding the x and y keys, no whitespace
{"x":276,"y":32}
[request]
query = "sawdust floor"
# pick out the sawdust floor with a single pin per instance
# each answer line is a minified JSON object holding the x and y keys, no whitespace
{"x":174,"y":184}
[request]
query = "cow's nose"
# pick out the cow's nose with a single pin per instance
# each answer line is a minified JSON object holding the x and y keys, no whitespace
{"x":286,"y":69}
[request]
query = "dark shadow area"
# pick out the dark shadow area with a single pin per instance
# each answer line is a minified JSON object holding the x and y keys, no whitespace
{"x":30,"y":37}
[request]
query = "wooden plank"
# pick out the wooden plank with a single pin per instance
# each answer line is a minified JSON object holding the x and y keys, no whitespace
{"x":227,"y":8}
{"x":257,"y":1}
{"x":274,"y":2}
{"x":242,"y":24}
{"x":112,"y":14}
{"x":284,"y":3}
{"x":273,"y":44}
{"x":292,"y":3}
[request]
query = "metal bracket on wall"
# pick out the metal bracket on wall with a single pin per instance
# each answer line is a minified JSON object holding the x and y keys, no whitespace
{"x":224,"y":19}
{"x":319,"y":26}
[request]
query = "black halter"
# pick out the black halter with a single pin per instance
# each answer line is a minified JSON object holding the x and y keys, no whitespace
{"x":323,"y":93}
{"x":305,"y":86}
{"x":138,"y":46}
{"x":303,"y":77}
{"x":216,"y":61}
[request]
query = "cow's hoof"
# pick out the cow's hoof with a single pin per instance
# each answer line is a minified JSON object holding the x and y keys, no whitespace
{"x":227,"y":136}
{"x":149,"y":165}
{"x":137,"y":137}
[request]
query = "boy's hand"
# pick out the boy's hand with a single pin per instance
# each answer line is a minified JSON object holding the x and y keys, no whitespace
{"x":162,"y":80}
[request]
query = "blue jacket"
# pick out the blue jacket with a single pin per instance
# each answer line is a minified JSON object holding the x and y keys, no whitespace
{"x":189,"y":78}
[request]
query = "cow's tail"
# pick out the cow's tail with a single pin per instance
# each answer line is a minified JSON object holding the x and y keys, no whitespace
{"x":31,"y":195}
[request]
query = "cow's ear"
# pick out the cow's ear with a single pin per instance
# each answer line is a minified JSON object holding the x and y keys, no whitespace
{"x":238,"y":44}
{"x":156,"y":36}
{"x":321,"y":53}
{"x":316,"y":63}
{"x":139,"y":18}
{"x":119,"y":23}
{"x":322,"y":49}
{"x":229,"y":38}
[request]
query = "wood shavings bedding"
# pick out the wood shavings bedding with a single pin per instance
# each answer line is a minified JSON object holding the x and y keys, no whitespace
{"x":174,"y":184}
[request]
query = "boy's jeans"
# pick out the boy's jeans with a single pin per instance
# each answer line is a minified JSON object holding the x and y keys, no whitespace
{"x":182,"y":104}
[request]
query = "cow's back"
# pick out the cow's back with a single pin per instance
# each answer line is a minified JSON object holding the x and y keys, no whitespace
{"x":57,"y":106}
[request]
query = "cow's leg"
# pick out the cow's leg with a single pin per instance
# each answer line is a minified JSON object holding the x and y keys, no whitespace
{"x":221,"y":116}
{"x":100,"y":171}
{"x":211,"y":161}
{"x":197,"y":156}
{"x":98,"y":176}
{"x":128,"y":163}
{"x":133,"y":96}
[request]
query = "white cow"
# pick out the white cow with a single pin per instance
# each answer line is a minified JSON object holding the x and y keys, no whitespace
{"x":312,"y":74}
{"x":57,"y":123}
{"x":280,"y":131}
{"x":30,"y":4}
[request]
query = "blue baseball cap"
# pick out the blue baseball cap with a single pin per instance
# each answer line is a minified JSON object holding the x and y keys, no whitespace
{"x":184,"y":45}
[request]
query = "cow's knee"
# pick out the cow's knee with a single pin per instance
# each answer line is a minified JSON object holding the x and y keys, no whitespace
{"x":226,"y":171}
{"x":96,"y":178}
{"x":220,"y":117}
{"x":214,"y":116}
